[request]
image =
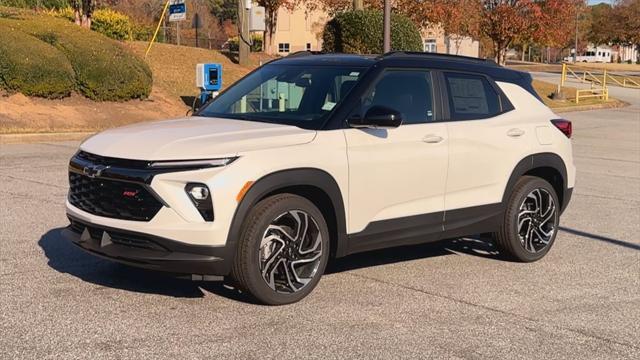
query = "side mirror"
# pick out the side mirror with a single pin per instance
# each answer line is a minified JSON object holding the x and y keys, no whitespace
{"x":378,"y":117}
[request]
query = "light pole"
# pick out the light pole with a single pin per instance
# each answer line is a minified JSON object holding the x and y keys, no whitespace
{"x":386,"y":44}
{"x":575,"y":50}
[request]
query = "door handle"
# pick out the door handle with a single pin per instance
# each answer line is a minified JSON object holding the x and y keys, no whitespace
{"x":515,"y":132}
{"x":432,"y":139}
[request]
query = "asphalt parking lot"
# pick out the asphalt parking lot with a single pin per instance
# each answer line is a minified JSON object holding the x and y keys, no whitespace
{"x":454,"y":299}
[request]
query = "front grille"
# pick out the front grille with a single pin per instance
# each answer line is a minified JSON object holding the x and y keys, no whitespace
{"x":113,"y":199}
{"x":126,"y":239}
{"x":109,"y":161}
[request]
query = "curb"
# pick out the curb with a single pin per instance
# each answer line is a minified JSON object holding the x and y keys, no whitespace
{"x":43,"y":137}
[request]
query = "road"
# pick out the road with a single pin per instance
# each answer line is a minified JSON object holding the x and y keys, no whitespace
{"x":454,"y":299}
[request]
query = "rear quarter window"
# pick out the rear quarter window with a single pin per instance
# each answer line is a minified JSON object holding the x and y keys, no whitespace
{"x":471,"y":97}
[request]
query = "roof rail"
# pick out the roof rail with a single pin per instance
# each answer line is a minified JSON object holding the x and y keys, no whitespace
{"x":437,"y":55}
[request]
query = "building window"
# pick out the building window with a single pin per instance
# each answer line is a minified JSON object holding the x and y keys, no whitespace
{"x":430,"y":45}
{"x":308,"y":46}
{"x":283,"y":47}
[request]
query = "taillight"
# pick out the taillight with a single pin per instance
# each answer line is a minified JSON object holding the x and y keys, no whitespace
{"x":564,"y":126}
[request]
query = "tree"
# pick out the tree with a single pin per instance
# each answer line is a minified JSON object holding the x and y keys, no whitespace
{"x":271,"y":8}
{"x":504,"y":21}
{"x":82,"y":11}
{"x":224,"y":9}
{"x":460,"y":19}
{"x":626,"y":16}
{"x":601,"y":29}
{"x":555,"y":27}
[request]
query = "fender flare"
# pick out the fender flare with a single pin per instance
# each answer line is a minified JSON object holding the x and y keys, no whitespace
{"x":535,"y":161}
{"x":283,"y":179}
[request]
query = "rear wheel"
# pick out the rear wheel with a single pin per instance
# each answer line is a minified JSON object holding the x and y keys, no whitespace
{"x":283,"y":250}
{"x":531,"y":220}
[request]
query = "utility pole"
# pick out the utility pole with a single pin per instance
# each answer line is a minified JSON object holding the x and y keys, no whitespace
{"x":178,"y":33}
{"x":243,"y":36}
{"x":575,"y":50}
{"x":386,"y":33}
{"x":196,"y":21}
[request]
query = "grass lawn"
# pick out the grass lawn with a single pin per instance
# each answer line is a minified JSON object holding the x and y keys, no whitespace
{"x":174,"y":67}
{"x":545,"y":89}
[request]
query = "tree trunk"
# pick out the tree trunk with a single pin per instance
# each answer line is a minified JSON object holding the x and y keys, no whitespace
{"x":269,"y":31}
{"x":524,"y":51}
{"x":267,"y":42}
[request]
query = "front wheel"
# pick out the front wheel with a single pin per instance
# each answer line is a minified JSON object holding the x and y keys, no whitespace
{"x":531,"y":220}
{"x":283,"y":250}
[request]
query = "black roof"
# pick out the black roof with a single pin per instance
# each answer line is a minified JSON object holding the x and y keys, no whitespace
{"x":404,"y":59}
{"x":317,"y":58}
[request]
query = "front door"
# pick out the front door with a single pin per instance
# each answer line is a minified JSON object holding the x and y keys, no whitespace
{"x":397,"y":177}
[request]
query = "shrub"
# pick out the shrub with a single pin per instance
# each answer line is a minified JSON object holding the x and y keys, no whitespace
{"x":256,"y":43}
{"x":112,"y":24}
{"x":65,"y":13}
{"x":104,"y":69}
{"x":32,"y":4}
{"x":360,"y":32}
{"x":32,"y":67}
{"x":141,"y":32}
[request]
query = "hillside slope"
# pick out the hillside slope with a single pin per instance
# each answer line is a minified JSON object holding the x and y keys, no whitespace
{"x":174,"y":82}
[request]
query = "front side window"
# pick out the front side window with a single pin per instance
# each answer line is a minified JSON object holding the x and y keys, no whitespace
{"x":406,"y":91}
{"x":471,"y":97}
{"x":296,"y":95}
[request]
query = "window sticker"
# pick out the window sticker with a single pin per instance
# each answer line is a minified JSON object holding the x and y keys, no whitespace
{"x":328,"y":106}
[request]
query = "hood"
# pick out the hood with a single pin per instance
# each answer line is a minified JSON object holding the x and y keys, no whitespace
{"x":193,"y":138}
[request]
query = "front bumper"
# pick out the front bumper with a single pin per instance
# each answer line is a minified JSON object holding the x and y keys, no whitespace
{"x":148,"y":251}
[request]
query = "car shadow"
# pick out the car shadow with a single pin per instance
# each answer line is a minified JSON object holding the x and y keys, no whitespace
{"x":67,"y":258}
{"x":597,"y":237}
{"x":476,"y":246}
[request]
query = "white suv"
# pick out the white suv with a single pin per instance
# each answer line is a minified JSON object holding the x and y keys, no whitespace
{"x":316,"y":156}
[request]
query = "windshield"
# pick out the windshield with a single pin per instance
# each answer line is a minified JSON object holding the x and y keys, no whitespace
{"x":296,"y":95}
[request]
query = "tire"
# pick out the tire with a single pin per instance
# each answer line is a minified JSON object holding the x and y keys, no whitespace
{"x":267,"y":265}
{"x":527,"y":233}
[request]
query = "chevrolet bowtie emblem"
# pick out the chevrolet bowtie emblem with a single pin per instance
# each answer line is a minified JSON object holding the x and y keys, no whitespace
{"x":94,"y":170}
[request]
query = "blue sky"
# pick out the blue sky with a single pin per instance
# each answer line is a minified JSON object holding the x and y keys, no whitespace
{"x":593,"y":2}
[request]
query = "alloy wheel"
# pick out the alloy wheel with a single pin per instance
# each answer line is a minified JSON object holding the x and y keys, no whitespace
{"x":537,"y":220}
{"x":290,"y":251}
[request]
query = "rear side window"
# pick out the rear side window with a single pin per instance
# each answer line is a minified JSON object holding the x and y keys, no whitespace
{"x":471,"y":97}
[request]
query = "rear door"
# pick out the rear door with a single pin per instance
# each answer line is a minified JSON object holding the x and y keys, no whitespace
{"x":486,"y":140}
{"x":395,"y":174}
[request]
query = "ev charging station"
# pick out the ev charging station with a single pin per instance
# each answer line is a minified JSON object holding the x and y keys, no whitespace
{"x":208,"y":80}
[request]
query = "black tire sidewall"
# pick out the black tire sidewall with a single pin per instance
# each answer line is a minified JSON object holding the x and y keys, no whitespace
{"x":257,"y":222}
{"x":523,"y":189}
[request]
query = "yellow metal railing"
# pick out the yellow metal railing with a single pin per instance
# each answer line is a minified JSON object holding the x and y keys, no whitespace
{"x":602,"y":93}
{"x":596,"y":77}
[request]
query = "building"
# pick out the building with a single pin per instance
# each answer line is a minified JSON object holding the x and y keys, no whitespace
{"x":434,"y":40}
{"x":625,"y":53}
{"x":299,"y":30}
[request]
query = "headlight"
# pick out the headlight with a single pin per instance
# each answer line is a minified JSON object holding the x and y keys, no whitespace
{"x":197,"y":164}
{"x":201,"y":198}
